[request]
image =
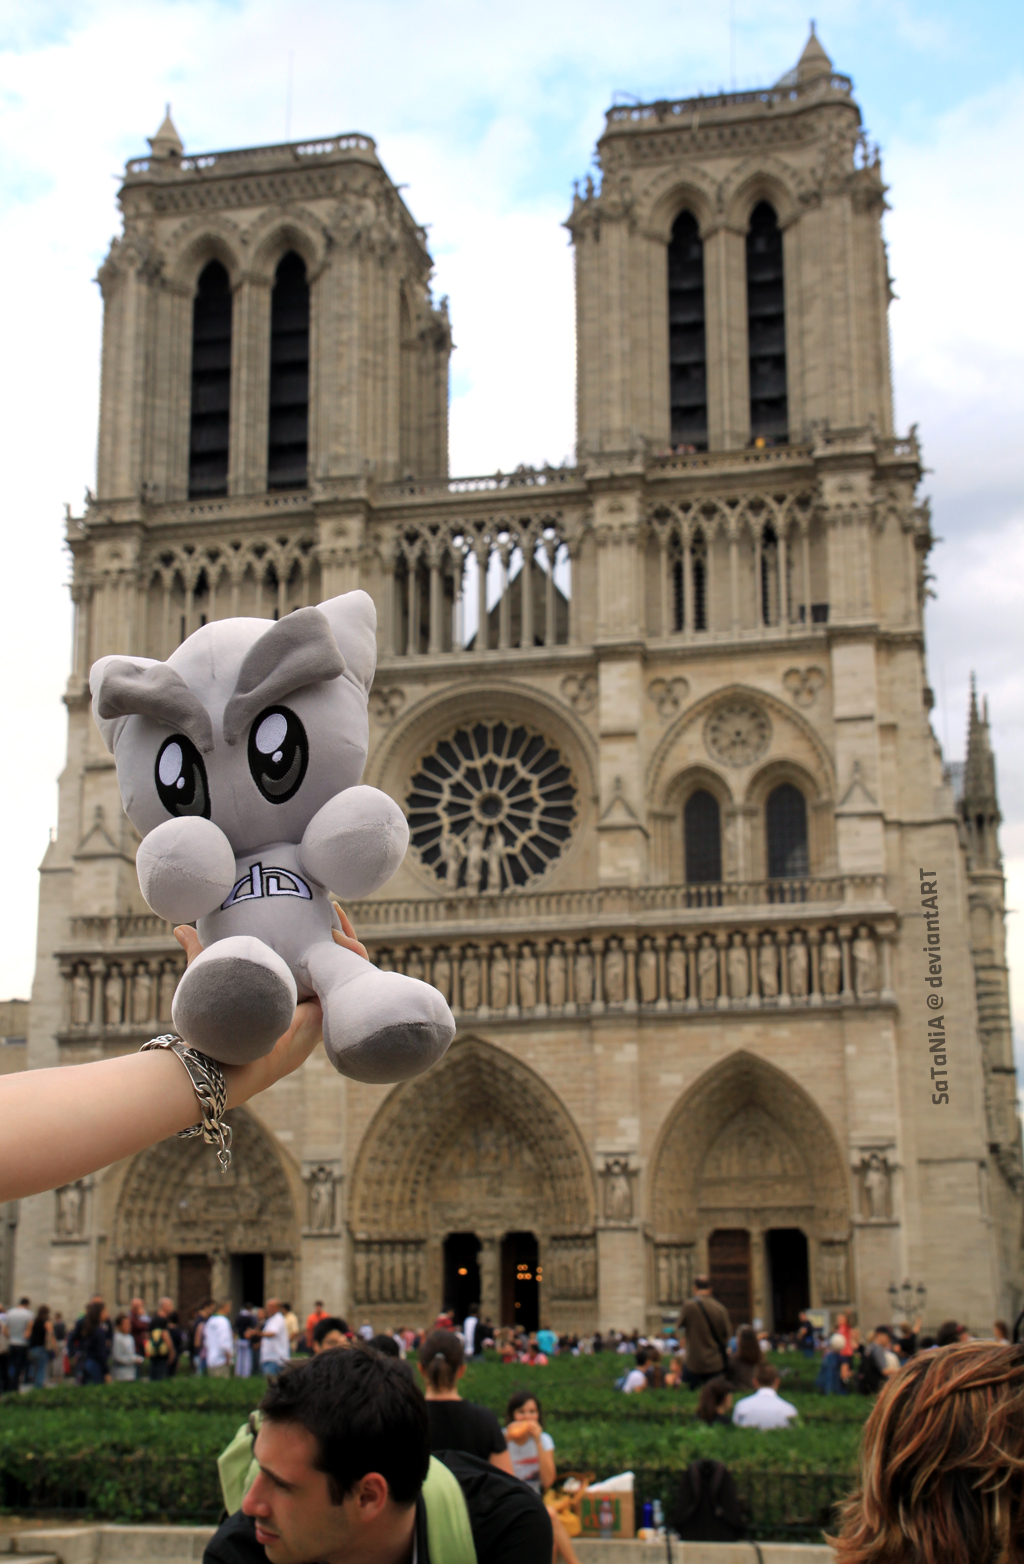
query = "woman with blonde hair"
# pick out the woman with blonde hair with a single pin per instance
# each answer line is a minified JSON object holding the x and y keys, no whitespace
{"x":942,"y":1464}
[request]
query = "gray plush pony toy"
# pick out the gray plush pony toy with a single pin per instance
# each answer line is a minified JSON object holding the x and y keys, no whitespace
{"x":238,"y":761}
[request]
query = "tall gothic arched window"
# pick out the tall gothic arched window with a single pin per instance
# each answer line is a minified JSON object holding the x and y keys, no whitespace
{"x":288,"y":433}
{"x":766,"y":328}
{"x":702,"y":838}
{"x":211,"y":384}
{"x":687,"y":352}
{"x":786,"y":830}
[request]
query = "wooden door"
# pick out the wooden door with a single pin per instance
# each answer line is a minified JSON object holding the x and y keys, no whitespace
{"x":729,"y":1266}
{"x":195,"y":1280}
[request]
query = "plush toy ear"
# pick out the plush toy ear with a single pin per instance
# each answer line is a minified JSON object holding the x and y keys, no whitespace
{"x":297,"y":650}
{"x":125,"y":687}
{"x":353,"y":619}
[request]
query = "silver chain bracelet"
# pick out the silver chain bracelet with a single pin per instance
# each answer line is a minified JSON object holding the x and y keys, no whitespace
{"x":210,"y":1087}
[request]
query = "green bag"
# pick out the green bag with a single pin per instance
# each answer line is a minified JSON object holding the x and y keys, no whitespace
{"x":449,"y":1535}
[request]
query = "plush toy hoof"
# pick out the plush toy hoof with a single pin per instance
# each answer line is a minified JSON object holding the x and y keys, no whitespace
{"x":386,"y":1027}
{"x":235,"y":1000}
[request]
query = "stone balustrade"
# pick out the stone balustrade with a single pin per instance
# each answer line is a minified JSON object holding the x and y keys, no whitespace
{"x":800,"y":964}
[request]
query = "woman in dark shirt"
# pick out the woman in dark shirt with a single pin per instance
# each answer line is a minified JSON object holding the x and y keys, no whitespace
{"x":95,"y":1345}
{"x":456,"y":1424}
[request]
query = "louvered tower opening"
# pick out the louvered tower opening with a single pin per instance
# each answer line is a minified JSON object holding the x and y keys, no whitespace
{"x":766,"y":328}
{"x":288,"y":436}
{"x":687,"y":350}
{"x":211,"y":384}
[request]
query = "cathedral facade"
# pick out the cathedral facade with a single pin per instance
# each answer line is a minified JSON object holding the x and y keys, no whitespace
{"x":723,"y":940}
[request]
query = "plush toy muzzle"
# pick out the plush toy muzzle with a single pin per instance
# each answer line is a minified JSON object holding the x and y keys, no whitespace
{"x":239,"y":762}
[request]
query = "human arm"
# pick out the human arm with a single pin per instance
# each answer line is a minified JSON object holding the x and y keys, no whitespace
{"x":503,"y":1461}
{"x":64,"y":1123}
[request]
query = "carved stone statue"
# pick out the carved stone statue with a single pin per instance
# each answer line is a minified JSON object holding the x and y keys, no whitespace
{"x":452,"y":854}
{"x":618,"y":1190}
{"x":527,"y":978}
{"x":831,"y":966}
{"x":321,"y":1200}
{"x":499,"y":979}
{"x":583,"y":971}
{"x":834,"y":1273}
{"x":70,"y":1209}
{"x":865,"y":965}
{"x":494,"y":857}
{"x":768,"y":968}
{"x":615,"y":975}
{"x":797,"y":958}
{"x":168,"y":983}
{"x":707,"y":971}
{"x":647,"y":973}
{"x":414,"y":967}
{"x":474,"y":856}
{"x":81,"y":997}
{"x":113,"y":997}
{"x":738,"y":968}
{"x":469,"y":980}
{"x":442,"y":979}
{"x":142,"y":994}
{"x":874,"y":1177}
{"x":676,"y":972}
{"x":556,"y":976}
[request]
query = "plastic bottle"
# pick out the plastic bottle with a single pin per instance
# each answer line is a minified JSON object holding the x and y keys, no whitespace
{"x":647,"y":1515}
{"x":606,"y":1518}
{"x":658,"y":1516}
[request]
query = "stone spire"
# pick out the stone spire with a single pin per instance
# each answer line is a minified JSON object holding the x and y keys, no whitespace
{"x":979,"y":804}
{"x":166,"y":143}
{"x":814,"y":62}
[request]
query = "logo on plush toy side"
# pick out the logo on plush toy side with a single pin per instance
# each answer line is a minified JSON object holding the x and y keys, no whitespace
{"x":258,"y":881}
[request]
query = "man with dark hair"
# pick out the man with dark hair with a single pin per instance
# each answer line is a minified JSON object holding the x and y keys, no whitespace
{"x":345,"y":1476}
{"x":330,"y":1331}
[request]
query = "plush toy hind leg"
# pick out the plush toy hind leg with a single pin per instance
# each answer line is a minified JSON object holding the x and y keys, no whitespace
{"x":235,"y":1000}
{"x":378,"y":1026}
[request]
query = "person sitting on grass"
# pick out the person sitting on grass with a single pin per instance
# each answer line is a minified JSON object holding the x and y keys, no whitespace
{"x":456,"y":1424}
{"x":715,"y":1404}
{"x":636,"y":1379}
{"x":344,"y":1475}
{"x":746,"y":1358}
{"x":942,"y":1463}
{"x":765,"y":1408}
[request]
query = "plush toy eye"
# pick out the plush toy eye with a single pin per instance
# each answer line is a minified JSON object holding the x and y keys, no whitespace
{"x":181,"y":778}
{"x":278,"y":754}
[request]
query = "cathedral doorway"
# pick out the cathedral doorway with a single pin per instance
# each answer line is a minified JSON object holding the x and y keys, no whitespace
{"x":246,"y":1280}
{"x":788,"y":1276}
{"x":185,"y":1229}
{"x":747,"y":1180}
{"x":461,"y":1275}
{"x":195,"y":1284}
{"x":729,"y":1268}
{"x":478,"y":1151}
{"x":520,"y":1281}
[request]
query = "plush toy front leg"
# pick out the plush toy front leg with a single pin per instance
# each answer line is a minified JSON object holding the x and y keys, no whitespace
{"x":378,"y":1026}
{"x":235,"y":1000}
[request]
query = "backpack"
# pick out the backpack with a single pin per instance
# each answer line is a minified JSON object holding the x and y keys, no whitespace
{"x":868,"y":1377}
{"x":707,"y":1507}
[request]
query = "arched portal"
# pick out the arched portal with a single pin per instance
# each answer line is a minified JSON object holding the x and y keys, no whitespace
{"x":481,"y":1148}
{"x":180,"y":1221}
{"x":745,"y":1154}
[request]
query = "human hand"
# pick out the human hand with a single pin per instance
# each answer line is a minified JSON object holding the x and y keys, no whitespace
{"x":296,"y":1045}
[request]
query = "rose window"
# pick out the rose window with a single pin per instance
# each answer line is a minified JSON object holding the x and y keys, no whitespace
{"x":492,"y":806}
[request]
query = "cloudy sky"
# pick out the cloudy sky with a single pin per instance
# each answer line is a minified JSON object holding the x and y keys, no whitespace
{"x":486,"y":113}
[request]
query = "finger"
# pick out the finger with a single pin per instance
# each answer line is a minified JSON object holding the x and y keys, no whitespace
{"x":188,"y":939}
{"x":346,"y":922}
{"x":349,"y":942}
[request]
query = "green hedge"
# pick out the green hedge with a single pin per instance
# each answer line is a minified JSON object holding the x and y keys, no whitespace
{"x":144,"y":1452}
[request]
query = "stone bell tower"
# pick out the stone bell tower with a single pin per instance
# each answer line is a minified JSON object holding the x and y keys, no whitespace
{"x":759,"y":215}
